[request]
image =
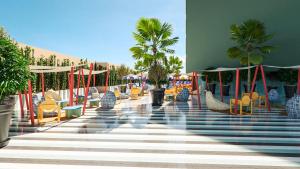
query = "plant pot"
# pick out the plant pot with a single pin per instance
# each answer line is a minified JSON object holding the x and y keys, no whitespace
{"x":271,"y":87}
{"x":226,"y":90}
{"x":290,"y":90}
{"x":6,"y":110}
{"x":212,"y":87}
{"x":157,"y":97}
{"x":123,"y":89}
{"x":246,"y":88}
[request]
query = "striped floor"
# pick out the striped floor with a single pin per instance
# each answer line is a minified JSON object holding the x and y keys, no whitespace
{"x":135,"y":135}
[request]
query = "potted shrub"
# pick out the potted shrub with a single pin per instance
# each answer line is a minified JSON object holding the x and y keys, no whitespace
{"x":14,"y":73}
{"x":227,"y":78}
{"x":212,"y":78}
{"x":122,"y":71}
{"x":289,"y":76}
{"x":152,"y":52}
{"x":251,"y":48}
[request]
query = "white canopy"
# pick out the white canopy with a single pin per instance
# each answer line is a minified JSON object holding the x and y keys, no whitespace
{"x":94,"y":72}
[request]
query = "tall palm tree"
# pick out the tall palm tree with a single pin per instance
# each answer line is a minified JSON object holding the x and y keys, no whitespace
{"x":153,"y":46}
{"x":153,"y":41}
{"x":251,"y":39}
{"x":174,"y":65}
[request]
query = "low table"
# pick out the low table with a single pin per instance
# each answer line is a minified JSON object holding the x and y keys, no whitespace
{"x":72,"y":111}
{"x":62,"y":103}
{"x":94,"y":102}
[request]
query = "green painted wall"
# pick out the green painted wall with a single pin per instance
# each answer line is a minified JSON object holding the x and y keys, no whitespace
{"x":208,"y":23}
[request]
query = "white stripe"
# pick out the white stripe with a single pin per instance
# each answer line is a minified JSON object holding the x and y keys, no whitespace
{"x":153,"y":157}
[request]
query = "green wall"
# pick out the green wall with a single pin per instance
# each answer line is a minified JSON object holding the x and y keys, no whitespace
{"x":208,"y":23}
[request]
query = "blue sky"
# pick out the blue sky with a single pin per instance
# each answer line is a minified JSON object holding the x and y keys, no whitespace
{"x":95,"y":29}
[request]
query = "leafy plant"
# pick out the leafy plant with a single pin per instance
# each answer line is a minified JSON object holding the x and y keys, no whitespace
{"x":153,"y":46}
{"x":289,"y":76}
{"x":14,"y":70}
{"x":157,"y":75}
{"x":174,"y":65}
{"x":251,"y":49}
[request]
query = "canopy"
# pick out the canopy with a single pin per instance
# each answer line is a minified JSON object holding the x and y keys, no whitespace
{"x":86,"y":72}
{"x":50,"y":69}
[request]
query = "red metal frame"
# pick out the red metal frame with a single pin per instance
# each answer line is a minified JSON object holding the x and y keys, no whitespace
{"x":221,"y":85}
{"x":78,"y":85}
{"x":26,"y":99}
{"x":265,"y":87}
{"x":253,"y":81}
{"x":21,"y":104}
{"x":83,"y":79}
{"x":30,"y":103}
{"x":94,"y":82}
{"x":71,"y":86}
{"x":87,"y":88}
{"x":237,"y":83}
{"x":106,"y":81}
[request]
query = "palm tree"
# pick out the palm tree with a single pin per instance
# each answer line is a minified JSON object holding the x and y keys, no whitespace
{"x":174,"y":65}
{"x":153,"y":44}
{"x":250,"y":37}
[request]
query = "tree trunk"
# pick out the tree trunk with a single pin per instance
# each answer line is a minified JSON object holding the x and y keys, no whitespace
{"x":249,"y":76}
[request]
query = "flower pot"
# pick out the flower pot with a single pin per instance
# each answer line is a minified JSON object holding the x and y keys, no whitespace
{"x":6,"y":110}
{"x":123,"y":89}
{"x":212,"y":87}
{"x":290,"y":90}
{"x":226,"y":90}
{"x":246,"y":88}
{"x":157,"y":97}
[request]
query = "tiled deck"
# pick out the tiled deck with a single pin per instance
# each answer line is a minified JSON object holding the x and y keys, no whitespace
{"x":135,"y":135}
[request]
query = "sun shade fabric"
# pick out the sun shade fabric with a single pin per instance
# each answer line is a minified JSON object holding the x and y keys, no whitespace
{"x":86,"y":72}
{"x":50,"y":69}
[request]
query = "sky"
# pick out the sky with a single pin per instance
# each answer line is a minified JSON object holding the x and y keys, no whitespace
{"x":98,"y":30}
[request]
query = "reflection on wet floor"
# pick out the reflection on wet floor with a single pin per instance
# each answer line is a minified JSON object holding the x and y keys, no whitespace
{"x":175,"y":135}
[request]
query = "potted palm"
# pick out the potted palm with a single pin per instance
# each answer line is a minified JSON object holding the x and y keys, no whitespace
{"x":251,"y":48}
{"x":289,"y":77}
{"x":14,"y":73}
{"x":121,"y":72}
{"x":152,"y":52}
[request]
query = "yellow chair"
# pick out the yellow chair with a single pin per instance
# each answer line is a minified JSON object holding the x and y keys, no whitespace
{"x":134,"y":93}
{"x":244,"y":102}
{"x":48,"y":106}
{"x":117,"y":93}
{"x":256,"y":98}
{"x":170,"y":93}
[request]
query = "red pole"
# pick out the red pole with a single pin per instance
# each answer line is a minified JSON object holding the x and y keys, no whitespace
{"x":265,"y":86}
{"x":71,"y":85}
{"x":30,"y":103}
{"x":83,"y":80}
{"x":87,"y":88}
{"x":198,"y":92}
{"x":43,"y":84}
{"x":94,"y":80}
{"x":237,"y":83}
{"x":193,"y":78}
{"x":106,"y":82}
{"x":78,"y":85}
{"x":206,"y":81}
{"x":253,"y":81}
{"x":221,"y":88}
{"x":26,"y":99}
{"x":298,"y":82}
{"x":21,"y":104}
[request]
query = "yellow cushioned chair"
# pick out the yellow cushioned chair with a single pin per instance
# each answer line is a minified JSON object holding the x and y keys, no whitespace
{"x":257,"y":99}
{"x":244,"y":102}
{"x":134,"y":93}
{"x":49,"y":106}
